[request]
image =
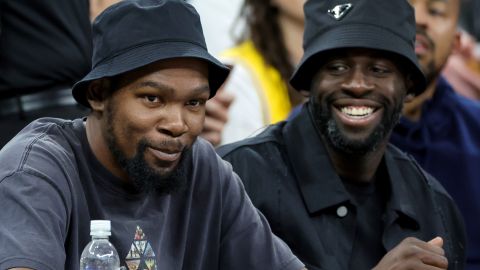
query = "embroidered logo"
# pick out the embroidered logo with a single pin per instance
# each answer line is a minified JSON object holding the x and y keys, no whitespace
{"x":339,"y":11}
{"x":141,"y":255}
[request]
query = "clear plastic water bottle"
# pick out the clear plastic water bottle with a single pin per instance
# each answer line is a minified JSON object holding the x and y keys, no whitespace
{"x":100,"y":254}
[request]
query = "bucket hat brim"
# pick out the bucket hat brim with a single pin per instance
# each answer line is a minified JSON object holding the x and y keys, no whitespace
{"x":146,"y":54}
{"x":355,"y":36}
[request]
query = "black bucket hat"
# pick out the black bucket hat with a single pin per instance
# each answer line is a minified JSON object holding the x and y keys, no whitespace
{"x":387,"y":25}
{"x":134,"y":33}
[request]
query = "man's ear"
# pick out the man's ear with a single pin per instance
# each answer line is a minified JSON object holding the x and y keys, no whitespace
{"x":410,"y":86}
{"x":97,"y":93}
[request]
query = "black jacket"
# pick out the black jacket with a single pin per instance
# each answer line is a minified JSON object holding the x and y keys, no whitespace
{"x":289,"y":177}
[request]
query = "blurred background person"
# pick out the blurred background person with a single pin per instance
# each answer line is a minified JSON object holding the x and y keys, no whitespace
{"x":463,"y":66}
{"x":221,"y":23}
{"x":45,"y":46}
{"x":263,"y":60}
{"x":440,"y":128}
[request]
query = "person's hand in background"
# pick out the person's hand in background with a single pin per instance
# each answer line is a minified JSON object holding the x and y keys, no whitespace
{"x":462,"y":70}
{"x":216,"y":116}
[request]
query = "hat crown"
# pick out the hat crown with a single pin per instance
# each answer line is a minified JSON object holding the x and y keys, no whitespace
{"x":395,"y":16}
{"x":135,"y":33}
{"x":117,"y":29}
{"x":384,"y":25}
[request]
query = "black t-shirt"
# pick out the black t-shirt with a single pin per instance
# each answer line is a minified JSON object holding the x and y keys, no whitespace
{"x":51,"y":186}
{"x":369,"y":200}
{"x":43,"y":44}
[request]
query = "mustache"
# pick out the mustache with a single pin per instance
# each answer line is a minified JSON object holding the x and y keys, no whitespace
{"x":171,"y":145}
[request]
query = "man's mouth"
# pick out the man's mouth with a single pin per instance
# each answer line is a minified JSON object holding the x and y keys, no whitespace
{"x":358,"y":116}
{"x":422,"y":44}
{"x":357,"y":111}
{"x":166,"y":154}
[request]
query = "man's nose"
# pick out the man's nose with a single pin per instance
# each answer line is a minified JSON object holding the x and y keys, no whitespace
{"x":357,"y":82}
{"x":421,"y":16}
{"x":172,"y":122}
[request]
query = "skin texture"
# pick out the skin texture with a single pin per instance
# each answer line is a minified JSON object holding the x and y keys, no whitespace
{"x":412,"y":253}
{"x":437,"y":36}
{"x":162,"y":104}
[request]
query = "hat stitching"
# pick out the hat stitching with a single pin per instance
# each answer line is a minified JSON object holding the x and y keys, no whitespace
{"x":144,"y":44}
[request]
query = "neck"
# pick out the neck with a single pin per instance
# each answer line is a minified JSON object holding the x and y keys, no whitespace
{"x":98,"y":144}
{"x":357,"y":168}
{"x":292,"y":35}
{"x":412,"y":110}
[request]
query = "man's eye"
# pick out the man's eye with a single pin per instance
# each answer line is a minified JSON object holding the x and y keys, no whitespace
{"x":151,"y":99}
{"x":380,"y":70}
{"x":196,"y":102}
{"x":336,"y":67}
{"x":437,"y":12}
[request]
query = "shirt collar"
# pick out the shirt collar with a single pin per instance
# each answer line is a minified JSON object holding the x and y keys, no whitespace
{"x":401,"y":204}
{"x":320,"y":185}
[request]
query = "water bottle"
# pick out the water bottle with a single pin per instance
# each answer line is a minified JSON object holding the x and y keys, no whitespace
{"x":100,"y":254}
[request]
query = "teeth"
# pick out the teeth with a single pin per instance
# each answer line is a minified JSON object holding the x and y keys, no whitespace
{"x":357,"y":111}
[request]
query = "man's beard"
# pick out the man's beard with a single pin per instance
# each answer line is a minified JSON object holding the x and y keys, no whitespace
{"x":330,"y":131}
{"x":145,"y":178}
{"x":430,"y":72}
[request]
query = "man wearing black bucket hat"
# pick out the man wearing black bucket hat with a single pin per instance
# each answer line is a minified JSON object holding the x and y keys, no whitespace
{"x":328,"y":181}
{"x":135,"y":160}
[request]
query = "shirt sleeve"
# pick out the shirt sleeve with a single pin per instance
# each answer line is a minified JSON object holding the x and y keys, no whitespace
{"x":247,"y":241}
{"x":33,"y":222}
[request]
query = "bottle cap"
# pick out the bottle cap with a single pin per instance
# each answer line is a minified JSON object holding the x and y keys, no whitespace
{"x":100,"y":228}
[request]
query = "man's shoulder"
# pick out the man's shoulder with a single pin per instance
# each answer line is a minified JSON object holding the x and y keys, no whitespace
{"x":39,"y":146}
{"x":464,"y":105}
{"x":414,"y":172}
{"x":270,"y":138}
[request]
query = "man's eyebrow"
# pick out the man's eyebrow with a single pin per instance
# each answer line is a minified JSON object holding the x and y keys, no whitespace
{"x":163,"y":87}
{"x":201,"y":89}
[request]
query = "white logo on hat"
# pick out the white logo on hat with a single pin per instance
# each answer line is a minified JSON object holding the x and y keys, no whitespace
{"x":339,"y":11}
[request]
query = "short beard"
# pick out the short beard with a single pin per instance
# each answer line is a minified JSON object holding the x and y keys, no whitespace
{"x":329,"y":130}
{"x":144,"y":178}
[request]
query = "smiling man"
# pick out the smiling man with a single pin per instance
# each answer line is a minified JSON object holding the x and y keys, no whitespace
{"x":328,"y":181}
{"x":135,"y":160}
